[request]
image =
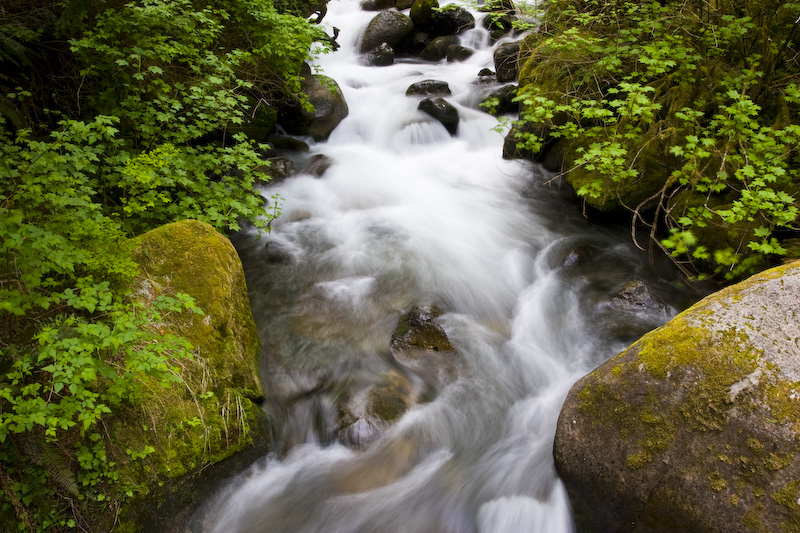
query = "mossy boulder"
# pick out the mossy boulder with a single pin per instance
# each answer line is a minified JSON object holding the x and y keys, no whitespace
{"x":329,"y":108}
{"x":423,"y":12}
{"x":695,"y":427}
{"x":211,"y":412}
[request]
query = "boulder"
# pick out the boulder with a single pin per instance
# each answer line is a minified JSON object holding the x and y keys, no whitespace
{"x":428,"y":88}
{"x":506,"y":57}
{"x":417,"y":42}
{"x":367,"y":414}
{"x":451,"y":19}
{"x":377,"y":5}
{"x":695,"y":427}
{"x":279,"y":169}
{"x":220,"y":387}
{"x":404,"y":4}
{"x":421,"y":346}
{"x":426,"y":362}
{"x":456,"y":52}
{"x":423,"y":12}
{"x":330,"y":108}
{"x":495,"y":6}
{"x":390,"y":27}
{"x":443,"y":111}
{"x":382,"y":56}
{"x":436,"y":50}
{"x":498,"y":24}
{"x":501,"y":101}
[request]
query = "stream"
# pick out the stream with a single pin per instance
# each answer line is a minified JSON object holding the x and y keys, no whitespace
{"x":408,"y":215}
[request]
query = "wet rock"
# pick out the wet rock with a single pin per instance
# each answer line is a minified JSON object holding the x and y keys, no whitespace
{"x":502,"y":100}
{"x":452,"y":19}
{"x":494,"y":6}
{"x":498,"y":25}
{"x":580,"y":255}
{"x":421,"y":346}
{"x":417,"y":42}
{"x":443,"y":111}
{"x":486,"y":75}
{"x":506,"y":57}
{"x":436,"y":50}
{"x":428,"y":88}
{"x":318,"y":165}
{"x":330,"y":108}
{"x":282,"y":143}
{"x":382,"y":56}
{"x":635,"y":297}
{"x":456,"y":52}
{"x":422,"y":13}
{"x":514,"y":144}
{"x":390,"y":27}
{"x":404,"y":4}
{"x":695,"y":427}
{"x":279,"y":169}
{"x":366,"y":414}
{"x":377,"y":5}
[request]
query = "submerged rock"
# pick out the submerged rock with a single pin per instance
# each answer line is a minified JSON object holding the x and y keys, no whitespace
{"x":697,"y":425}
{"x":426,"y":361}
{"x":443,"y":111}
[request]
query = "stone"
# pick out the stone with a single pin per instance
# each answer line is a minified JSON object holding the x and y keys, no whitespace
{"x":382,"y":56}
{"x":330,"y":108}
{"x":504,"y":98}
{"x":422,"y":13}
{"x":695,"y":427}
{"x":221,"y":386}
{"x":443,"y":111}
{"x":318,"y":165}
{"x":404,"y":4}
{"x":436,"y":50}
{"x":456,"y":52}
{"x":377,"y":5}
{"x":390,"y":27}
{"x":451,"y":19}
{"x":428,"y":88}
{"x":506,"y":58}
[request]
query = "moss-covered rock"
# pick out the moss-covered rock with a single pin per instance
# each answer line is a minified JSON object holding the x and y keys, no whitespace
{"x":423,"y":12}
{"x":211,"y":412}
{"x":696,"y":426}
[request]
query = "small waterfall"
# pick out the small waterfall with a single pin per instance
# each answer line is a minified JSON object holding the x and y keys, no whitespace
{"x":407,"y":215}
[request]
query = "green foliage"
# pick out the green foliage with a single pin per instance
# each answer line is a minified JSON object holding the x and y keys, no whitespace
{"x":682,"y":100}
{"x":155,"y":94}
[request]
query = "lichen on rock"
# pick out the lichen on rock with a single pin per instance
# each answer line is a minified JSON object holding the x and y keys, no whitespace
{"x":697,"y":425}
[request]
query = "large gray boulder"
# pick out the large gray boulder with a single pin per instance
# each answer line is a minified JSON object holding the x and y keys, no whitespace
{"x":330,"y":108}
{"x":696,"y":427}
{"x":390,"y":27}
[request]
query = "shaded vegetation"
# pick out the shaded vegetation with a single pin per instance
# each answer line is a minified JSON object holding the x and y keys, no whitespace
{"x":116,"y":118}
{"x":683,"y":113}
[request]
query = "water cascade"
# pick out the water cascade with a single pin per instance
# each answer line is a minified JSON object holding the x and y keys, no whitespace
{"x":407,"y":215}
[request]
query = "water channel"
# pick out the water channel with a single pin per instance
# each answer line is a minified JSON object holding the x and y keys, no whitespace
{"x":408,"y":215}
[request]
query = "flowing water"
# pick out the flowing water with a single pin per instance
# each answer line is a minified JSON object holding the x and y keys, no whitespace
{"x":407,"y":215}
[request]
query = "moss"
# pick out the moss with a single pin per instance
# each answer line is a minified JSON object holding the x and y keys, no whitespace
{"x":717,"y":482}
{"x":389,"y":400}
{"x":787,"y":496}
{"x":207,"y":415}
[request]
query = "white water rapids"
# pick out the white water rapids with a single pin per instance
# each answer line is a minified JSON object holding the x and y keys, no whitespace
{"x":408,"y":215}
